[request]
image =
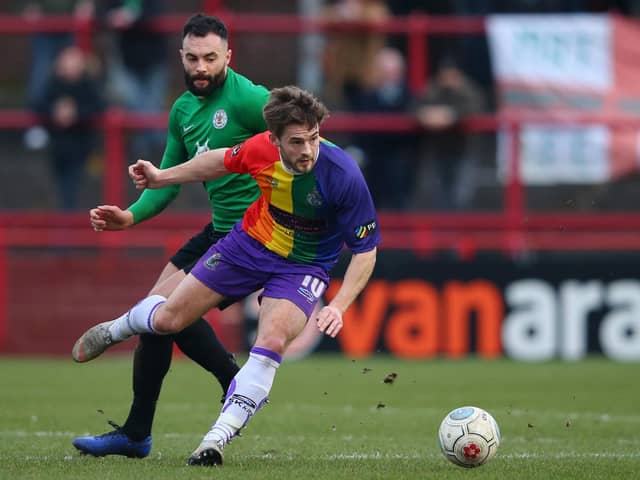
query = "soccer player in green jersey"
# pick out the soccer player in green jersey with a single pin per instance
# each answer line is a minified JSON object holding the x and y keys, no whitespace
{"x":220,"y":109}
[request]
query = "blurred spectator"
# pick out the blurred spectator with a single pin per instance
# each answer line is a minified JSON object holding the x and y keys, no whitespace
{"x":444,"y":179}
{"x":71,"y":97}
{"x":349,"y":53}
{"x":137,"y":64}
{"x":386,"y":155}
{"x":45,"y":46}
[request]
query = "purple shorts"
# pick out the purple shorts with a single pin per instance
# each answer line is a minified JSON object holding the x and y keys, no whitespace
{"x":238,"y":265}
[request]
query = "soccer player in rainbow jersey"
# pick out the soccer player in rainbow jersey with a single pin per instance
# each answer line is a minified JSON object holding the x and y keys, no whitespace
{"x":313,"y":201}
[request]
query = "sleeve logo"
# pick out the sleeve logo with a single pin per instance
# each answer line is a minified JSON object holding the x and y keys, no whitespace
{"x":235,"y":150}
{"x":364,"y":230}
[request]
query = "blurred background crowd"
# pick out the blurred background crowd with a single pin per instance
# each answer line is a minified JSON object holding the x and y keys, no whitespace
{"x":57,"y":162}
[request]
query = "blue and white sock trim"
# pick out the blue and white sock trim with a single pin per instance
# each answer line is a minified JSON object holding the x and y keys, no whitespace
{"x":265,"y":352}
{"x":150,"y":317}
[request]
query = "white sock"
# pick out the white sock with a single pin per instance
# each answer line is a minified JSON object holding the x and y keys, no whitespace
{"x":247,"y":393}
{"x":137,"y":320}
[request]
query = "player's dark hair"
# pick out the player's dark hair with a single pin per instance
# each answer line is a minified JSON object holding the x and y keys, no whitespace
{"x":201,"y":25}
{"x":292,"y":105}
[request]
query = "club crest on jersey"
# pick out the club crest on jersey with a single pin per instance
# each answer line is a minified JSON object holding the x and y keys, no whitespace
{"x":219,"y":119}
{"x":212,"y":262}
{"x":314,"y":198}
{"x":364,"y":230}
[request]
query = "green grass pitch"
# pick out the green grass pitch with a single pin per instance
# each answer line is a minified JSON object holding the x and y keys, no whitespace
{"x":331,"y":418}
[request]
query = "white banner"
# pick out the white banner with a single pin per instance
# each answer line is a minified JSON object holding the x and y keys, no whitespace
{"x":551,"y":155}
{"x":552,"y":50}
{"x":563,"y":66}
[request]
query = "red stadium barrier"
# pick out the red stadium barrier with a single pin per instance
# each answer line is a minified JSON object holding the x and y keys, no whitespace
{"x":513,"y":220}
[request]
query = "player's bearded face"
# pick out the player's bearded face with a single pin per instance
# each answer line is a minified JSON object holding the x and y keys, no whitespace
{"x":299,"y":147}
{"x":203,"y":85}
{"x":205,"y":61}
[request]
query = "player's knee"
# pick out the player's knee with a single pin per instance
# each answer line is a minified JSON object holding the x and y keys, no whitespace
{"x":275,"y":343}
{"x":166,"y":322}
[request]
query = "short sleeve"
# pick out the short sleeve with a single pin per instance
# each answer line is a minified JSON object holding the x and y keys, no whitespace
{"x":357,"y":215}
{"x":234,"y":159}
{"x":251,"y":156}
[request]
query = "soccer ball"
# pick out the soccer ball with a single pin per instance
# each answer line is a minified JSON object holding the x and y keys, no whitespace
{"x":469,"y":436}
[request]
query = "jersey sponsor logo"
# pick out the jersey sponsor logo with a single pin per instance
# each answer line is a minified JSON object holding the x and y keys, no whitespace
{"x":212,"y":262}
{"x":220,"y":119}
{"x":202,"y":148}
{"x":297,"y":223}
{"x":187,"y":128}
{"x":364,"y":230}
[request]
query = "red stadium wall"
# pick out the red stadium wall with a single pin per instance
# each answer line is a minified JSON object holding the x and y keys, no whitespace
{"x":52,"y":296}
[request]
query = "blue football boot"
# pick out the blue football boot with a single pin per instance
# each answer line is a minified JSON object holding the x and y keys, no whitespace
{"x":115,"y":442}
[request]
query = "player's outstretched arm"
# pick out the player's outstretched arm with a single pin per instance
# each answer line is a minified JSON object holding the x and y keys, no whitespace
{"x":203,"y":167}
{"x":110,"y":217}
{"x":360,"y":267}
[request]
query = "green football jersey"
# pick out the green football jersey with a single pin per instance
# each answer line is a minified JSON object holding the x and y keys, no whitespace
{"x":229,"y":116}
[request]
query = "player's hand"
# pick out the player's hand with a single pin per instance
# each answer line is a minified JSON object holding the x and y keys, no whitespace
{"x":144,"y":174}
{"x":110,"y":217}
{"x":329,"y":320}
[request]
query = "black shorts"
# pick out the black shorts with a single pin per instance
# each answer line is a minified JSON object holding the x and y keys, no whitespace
{"x":196,"y":246}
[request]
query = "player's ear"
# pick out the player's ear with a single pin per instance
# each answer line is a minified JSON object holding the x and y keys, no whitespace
{"x":228,"y":55}
{"x":274,"y":140}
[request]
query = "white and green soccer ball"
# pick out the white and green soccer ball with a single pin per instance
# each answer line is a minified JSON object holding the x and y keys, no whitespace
{"x":469,"y":436}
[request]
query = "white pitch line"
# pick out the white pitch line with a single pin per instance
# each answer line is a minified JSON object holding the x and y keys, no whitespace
{"x":563,"y":455}
{"x":604,"y":417}
{"x":506,"y":439}
{"x":347,"y":409}
{"x":504,"y":410}
{"x":378,"y":456}
{"x":25,"y":434}
{"x":361,"y":455}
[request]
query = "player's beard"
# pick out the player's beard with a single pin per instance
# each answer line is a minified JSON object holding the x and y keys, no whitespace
{"x":294,"y":166}
{"x":215,"y":81}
